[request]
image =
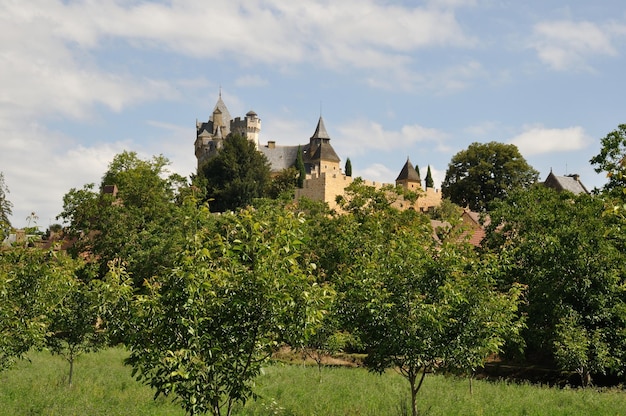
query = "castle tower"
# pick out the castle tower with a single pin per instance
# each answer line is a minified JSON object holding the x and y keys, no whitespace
{"x":408,"y":177}
{"x":210,"y":135}
{"x":253,"y":127}
{"x":320,"y":153}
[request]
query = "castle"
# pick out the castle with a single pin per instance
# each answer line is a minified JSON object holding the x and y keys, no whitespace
{"x":324,"y":177}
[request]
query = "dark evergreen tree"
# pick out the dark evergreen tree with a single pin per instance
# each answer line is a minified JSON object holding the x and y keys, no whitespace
{"x":348,"y":168}
{"x":236,"y":175}
{"x":300,"y":167}
{"x":429,"y":179}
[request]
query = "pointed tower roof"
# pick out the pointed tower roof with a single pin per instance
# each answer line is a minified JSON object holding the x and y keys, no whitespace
{"x":408,"y":173}
{"x":320,"y":130}
{"x":220,"y":107}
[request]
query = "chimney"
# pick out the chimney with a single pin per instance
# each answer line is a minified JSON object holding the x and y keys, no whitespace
{"x":271,"y":144}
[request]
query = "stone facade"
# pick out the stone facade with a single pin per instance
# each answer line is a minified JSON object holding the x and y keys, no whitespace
{"x":325,"y":179}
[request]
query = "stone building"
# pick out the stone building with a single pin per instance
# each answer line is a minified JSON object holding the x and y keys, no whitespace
{"x":324,"y":180}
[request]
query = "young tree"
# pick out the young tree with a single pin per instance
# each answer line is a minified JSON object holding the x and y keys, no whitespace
{"x":300,"y":167}
{"x":418,"y":306}
{"x":484,"y":172}
{"x":81,"y":321}
{"x":5,"y":209}
{"x":237,"y":290}
{"x":33,"y":282}
{"x":348,"y":169}
{"x":236,"y":175}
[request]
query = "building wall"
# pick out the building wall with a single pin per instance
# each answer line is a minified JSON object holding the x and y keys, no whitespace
{"x":326,"y":186}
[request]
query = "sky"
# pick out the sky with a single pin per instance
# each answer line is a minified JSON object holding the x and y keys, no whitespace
{"x":81,"y":81}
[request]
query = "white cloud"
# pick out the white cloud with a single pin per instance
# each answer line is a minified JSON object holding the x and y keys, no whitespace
{"x":42,"y":165}
{"x":568,"y":45}
{"x":376,"y":172}
{"x":359,"y":136}
{"x":251,"y":81}
{"x":540,"y":140}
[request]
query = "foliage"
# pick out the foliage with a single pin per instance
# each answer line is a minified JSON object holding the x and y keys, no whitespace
{"x":85,"y":319}
{"x":555,"y":243}
{"x":612,"y":160}
{"x":236,"y":175}
{"x":415,"y":304}
{"x":139,"y":225}
{"x":300,"y":168}
{"x":283,"y":184}
{"x":5,"y":209}
{"x":484,"y":172}
{"x":429,"y":179}
{"x":238,"y":289}
{"x":33,"y":283}
{"x":348,"y":168}
{"x":447,"y":211}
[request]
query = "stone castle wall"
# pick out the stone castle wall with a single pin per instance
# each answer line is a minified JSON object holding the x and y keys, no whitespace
{"x":326,"y":186}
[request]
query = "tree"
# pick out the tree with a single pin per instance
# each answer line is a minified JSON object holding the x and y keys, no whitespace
{"x":32,"y":284}
{"x":429,"y":179}
{"x":283,"y":184}
{"x":612,"y":160}
{"x":419,"y":306}
{"x":236,"y":175}
{"x":348,"y":168}
{"x":556,"y":245}
{"x":81,"y":321}
{"x":483,"y":172}
{"x":140,"y":224}
{"x":301,"y":169}
{"x":238,"y":289}
{"x":5,"y":209}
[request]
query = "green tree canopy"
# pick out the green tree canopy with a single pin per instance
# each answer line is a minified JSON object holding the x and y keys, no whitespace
{"x":486,"y":171}
{"x":238,"y":289}
{"x":139,"y":224}
{"x":612,"y":161}
{"x":556,"y":245}
{"x":236,"y":175}
{"x":5,"y":209}
{"x":416,"y":305}
{"x":32,"y":284}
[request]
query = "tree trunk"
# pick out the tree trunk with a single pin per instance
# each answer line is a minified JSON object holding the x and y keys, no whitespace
{"x":71,"y":360}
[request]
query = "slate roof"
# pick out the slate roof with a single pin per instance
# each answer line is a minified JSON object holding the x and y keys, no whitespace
{"x":281,"y":157}
{"x":569,"y":183}
{"x":324,"y":152}
{"x":320,"y":130}
{"x":408,"y":172}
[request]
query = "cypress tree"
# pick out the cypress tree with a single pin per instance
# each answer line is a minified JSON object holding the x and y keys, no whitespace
{"x":429,"y":179}
{"x":301,"y":169}
{"x":348,"y":168}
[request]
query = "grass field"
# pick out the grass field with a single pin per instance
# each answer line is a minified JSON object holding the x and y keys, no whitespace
{"x":103,"y":386}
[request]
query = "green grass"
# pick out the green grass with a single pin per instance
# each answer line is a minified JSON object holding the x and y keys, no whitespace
{"x":103,"y":386}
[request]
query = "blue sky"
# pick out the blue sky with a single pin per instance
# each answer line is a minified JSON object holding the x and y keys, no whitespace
{"x":83,"y":80}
